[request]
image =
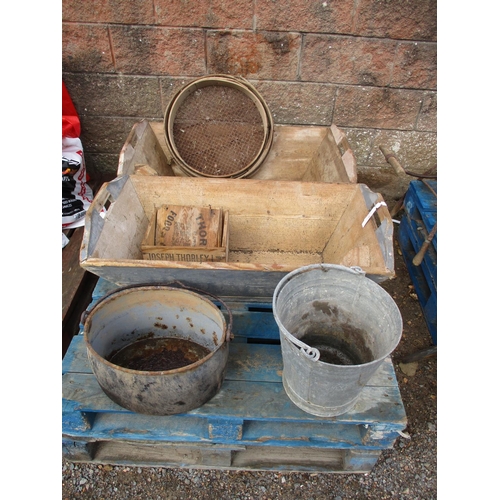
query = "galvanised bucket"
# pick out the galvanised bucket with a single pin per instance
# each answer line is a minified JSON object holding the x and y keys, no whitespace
{"x":336,"y":328}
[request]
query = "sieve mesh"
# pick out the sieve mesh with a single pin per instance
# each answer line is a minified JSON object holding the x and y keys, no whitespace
{"x":218,"y":130}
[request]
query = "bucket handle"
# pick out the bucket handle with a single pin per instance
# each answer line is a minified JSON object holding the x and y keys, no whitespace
{"x":311,"y":352}
{"x":229,"y":327}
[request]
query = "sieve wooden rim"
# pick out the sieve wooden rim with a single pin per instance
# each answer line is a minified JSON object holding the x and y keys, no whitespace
{"x":248,"y":90}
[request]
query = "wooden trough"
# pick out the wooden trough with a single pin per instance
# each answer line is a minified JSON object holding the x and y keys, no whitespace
{"x":298,"y":153}
{"x":274,"y":227}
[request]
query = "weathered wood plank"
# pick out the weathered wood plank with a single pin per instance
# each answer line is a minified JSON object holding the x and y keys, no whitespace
{"x":326,"y":164}
{"x":203,"y":455}
{"x":291,"y":154}
{"x":255,"y":372}
{"x":143,"y":148}
{"x":247,"y":362}
{"x":288,"y":459}
{"x":258,"y":235}
{"x":276,"y":458}
{"x":72,"y":273}
{"x":120,"y":233}
{"x":219,"y":278}
{"x":178,"y":225}
{"x":148,"y":454}
{"x":247,"y":400}
{"x":196,"y":427}
{"x":352,"y":244}
{"x":246,"y":196}
{"x":77,"y":286}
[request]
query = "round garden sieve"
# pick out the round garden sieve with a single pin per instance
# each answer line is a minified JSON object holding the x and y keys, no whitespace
{"x":218,"y":126}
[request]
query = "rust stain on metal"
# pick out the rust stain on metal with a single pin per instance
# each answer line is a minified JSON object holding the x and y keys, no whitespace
{"x":159,"y":354}
{"x":325,"y":308}
{"x":161,"y":325}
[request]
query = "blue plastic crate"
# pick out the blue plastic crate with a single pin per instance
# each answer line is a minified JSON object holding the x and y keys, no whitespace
{"x":420,"y":216}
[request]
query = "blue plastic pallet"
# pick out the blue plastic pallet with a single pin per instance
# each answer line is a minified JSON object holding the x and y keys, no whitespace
{"x":250,"y":424}
{"x":420,"y":216}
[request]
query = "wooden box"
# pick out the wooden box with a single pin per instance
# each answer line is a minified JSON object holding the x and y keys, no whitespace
{"x":298,"y":153}
{"x":190,"y":234}
{"x":274,"y":227}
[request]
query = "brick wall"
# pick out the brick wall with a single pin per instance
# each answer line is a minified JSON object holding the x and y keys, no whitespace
{"x":369,"y":66}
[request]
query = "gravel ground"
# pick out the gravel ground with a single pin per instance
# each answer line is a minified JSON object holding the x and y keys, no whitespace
{"x":407,"y":471}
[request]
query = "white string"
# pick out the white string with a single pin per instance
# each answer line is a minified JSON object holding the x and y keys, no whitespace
{"x":372,"y":211}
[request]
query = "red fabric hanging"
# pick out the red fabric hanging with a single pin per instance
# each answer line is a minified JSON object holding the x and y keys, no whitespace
{"x":70,"y":119}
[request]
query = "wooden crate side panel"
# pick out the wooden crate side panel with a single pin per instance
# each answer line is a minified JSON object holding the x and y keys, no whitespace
{"x":291,"y":153}
{"x":150,"y":236}
{"x":348,"y":158}
{"x":352,"y":244}
{"x":247,"y":196}
{"x":159,"y":131}
{"x":124,"y":227}
{"x":144,"y":170}
{"x":179,"y":225}
{"x":184,"y":254}
{"x":350,"y":166}
{"x":235,"y":280}
{"x":348,"y":230}
{"x":225,"y":279}
{"x":326,"y":163}
{"x":151,"y":251}
{"x":279,"y":234}
{"x":125,"y":270}
{"x":266,"y":218}
{"x":143,"y":148}
{"x":270,"y":261}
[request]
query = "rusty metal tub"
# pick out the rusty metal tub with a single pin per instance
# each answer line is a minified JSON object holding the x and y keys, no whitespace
{"x":130,"y":315}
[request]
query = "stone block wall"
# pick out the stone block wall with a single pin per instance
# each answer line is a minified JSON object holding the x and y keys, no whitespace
{"x":368,"y":66}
